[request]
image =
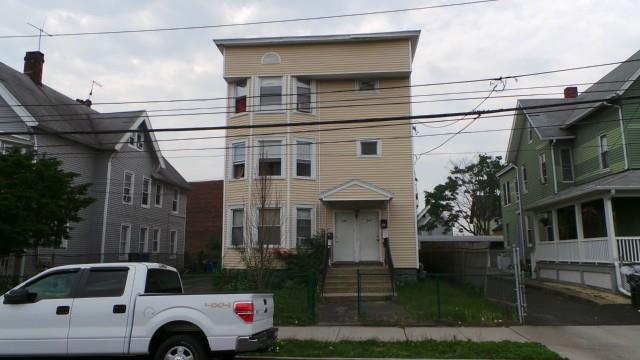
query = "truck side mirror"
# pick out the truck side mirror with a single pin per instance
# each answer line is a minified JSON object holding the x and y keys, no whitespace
{"x":19,"y":296}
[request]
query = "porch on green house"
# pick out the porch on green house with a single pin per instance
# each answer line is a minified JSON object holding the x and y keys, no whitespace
{"x":587,"y":233}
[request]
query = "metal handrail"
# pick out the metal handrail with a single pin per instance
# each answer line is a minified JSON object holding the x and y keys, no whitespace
{"x":325,"y":262}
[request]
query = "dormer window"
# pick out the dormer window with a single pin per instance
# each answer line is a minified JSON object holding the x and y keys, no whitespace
{"x":139,"y":141}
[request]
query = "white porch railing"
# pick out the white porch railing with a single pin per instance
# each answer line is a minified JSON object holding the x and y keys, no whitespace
{"x":587,"y":250}
{"x":629,"y":249}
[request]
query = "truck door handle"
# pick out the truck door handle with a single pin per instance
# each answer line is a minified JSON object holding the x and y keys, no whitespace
{"x":119,"y":309}
{"x":62,"y":310}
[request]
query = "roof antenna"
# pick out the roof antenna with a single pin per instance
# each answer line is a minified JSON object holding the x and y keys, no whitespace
{"x":93,"y":83}
{"x":41,"y":31}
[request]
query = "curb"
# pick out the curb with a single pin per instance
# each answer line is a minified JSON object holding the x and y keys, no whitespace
{"x":251,"y":357}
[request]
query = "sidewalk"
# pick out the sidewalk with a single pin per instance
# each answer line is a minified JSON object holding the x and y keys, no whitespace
{"x":573,"y":342}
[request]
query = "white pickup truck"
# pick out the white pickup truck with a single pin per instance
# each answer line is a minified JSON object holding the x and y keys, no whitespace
{"x":129,"y":309}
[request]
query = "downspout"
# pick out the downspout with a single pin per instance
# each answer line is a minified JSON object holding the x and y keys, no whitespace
{"x":553,"y":167}
{"x":106,"y":207}
{"x":624,"y":139}
{"x":520,"y":217}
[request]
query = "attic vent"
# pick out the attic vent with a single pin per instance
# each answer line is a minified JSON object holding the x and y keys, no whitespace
{"x":270,"y":58}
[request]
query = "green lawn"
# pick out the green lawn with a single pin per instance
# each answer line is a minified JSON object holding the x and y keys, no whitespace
{"x":458,"y":303}
{"x":411,"y":349}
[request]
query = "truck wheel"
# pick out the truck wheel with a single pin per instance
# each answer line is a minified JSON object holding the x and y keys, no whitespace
{"x":181,"y":347}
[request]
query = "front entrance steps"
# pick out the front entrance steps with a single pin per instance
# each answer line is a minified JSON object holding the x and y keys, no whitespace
{"x":342,"y":282}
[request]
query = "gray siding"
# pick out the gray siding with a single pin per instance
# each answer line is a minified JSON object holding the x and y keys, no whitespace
{"x":9,"y":120}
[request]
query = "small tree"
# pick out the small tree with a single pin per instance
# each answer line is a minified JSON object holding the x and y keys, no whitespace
{"x":262,"y":213}
{"x":469,"y":199}
{"x":38,"y":200}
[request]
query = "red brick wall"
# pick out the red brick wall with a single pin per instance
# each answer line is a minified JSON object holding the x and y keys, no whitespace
{"x":204,"y":220}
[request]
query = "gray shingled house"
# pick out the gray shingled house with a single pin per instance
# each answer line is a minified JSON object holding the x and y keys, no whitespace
{"x":140,"y":207}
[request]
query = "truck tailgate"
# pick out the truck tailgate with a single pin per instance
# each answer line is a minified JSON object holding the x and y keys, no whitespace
{"x":263,"y":315}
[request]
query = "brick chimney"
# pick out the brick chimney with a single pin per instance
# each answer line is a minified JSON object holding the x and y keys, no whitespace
{"x":33,"y":62}
{"x":571,"y":92}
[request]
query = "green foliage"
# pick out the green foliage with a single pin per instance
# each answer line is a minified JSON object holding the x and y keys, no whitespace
{"x":432,"y":349}
{"x":38,"y":200}
{"x":306,"y":259}
{"x":469,"y":199}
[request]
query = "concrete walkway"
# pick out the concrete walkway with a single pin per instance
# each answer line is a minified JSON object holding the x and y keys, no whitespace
{"x":573,"y":342}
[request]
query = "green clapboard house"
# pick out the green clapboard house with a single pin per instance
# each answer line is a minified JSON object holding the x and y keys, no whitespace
{"x":571,"y":188}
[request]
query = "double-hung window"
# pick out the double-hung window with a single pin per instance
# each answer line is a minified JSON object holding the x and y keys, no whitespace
{"x":146,"y":189}
{"x":237,"y":227}
{"x":155,"y":240}
{"x":525,"y":179}
{"x":506,"y":192}
{"x":238,"y":159}
{"x":270,"y":157}
{"x":127,"y":188}
{"x":542,"y":163}
{"x":240,"y":96}
{"x":269,"y":226}
{"x":529,"y":133}
{"x":143,"y":242}
{"x":175,"y":202}
{"x":270,"y":91}
{"x":303,"y":95}
{"x":125,"y":240}
{"x":566,"y":161}
{"x":603,"y":145}
{"x":303,"y":226}
{"x":139,"y":141}
{"x":173,"y":242}
{"x":304,"y":158}
{"x":158,"y":197}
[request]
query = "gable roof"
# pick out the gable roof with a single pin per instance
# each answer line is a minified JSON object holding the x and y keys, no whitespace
{"x":356,"y":190}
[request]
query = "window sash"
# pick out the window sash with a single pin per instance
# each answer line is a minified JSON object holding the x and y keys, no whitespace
{"x":127,"y":190}
{"x":542,"y":160}
{"x":270,"y":91}
{"x":303,"y":95}
{"x":125,"y":238}
{"x":604,"y":151}
{"x":567,"y":164}
{"x":144,"y":239}
{"x":175,"y":200}
{"x":304,"y":158}
{"x":269,"y":226}
{"x":238,"y":160}
{"x":367,"y":85}
{"x":146,"y":186}
{"x":525,"y":181}
{"x":303,"y":226}
{"x":155,"y":244}
{"x":369,"y":147}
{"x":270,"y":158}
{"x":237,"y":227}
{"x":173,"y":241}
{"x":139,"y":141}
{"x":158,"y":196}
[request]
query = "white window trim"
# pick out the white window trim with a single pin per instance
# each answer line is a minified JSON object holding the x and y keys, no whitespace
{"x":294,"y":97}
{"x":530,"y":134}
{"x":230,"y":166}
{"x":358,"y":148}
{"x":295,"y":159}
{"x":133,"y":185}
{"x":541,"y":178}
{"x":125,"y":255}
{"x":573,"y":174}
{"x":278,"y":61}
{"x":132,"y":135}
{"x":525,"y":179}
{"x":161,"y":195}
{"x":256,"y":220}
{"x":599,"y":140}
{"x":294,"y":227}
{"x":229,"y":232}
{"x":153,"y":230}
{"x":270,"y":108}
{"x":283,"y":157}
{"x":141,"y":134}
{"x":173,"y":251}
{"x":148,"y":193}
{"x":177,"y":200}
{"x":231,"y":93}
{"x":374,"y":91}
{"x":146,"y":240}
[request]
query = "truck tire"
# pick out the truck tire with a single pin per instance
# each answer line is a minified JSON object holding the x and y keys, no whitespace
{"x":181,"y":347}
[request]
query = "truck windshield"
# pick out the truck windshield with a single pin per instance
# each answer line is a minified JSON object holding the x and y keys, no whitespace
{"x":161,"y":281}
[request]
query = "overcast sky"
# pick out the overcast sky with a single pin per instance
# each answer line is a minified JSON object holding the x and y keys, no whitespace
{"x":476,"y":41}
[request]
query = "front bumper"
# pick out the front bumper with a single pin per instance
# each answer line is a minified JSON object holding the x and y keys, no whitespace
{"x":256,"y":342}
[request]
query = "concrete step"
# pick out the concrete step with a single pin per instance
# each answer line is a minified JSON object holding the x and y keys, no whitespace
{"x":368,"y":296}
{"x":354,"y":281}
{"x":354,"y":272}
{"x":349,"y":289}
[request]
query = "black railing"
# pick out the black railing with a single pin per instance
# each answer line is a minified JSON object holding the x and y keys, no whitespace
{"x":388,"y":259}
{"x":326,"y":260}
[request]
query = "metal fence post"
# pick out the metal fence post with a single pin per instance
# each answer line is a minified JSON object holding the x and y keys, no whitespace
{"x":359,"y":291}
{"x":438,"y":296}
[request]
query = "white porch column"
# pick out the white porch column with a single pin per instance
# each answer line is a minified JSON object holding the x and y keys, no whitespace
{"x":611,"y":229}
{"x":556,"y":232}
{"x":578,"y":209}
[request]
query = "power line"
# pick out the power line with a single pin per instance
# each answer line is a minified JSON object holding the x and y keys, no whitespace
{"x":200,"y":27}
{"x":327,"y":122}
{"x":83,"y":117}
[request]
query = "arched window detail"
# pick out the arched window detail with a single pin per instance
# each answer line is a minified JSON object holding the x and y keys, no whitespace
{"x":270,"y":58}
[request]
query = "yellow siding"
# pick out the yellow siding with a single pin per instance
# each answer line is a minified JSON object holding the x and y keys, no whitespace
{"x":378,"y":56}
{"x":336,"y":153}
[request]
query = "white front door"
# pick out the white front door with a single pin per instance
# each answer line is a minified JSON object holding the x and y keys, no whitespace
{"x":368,"y":237}
{"x":345,"y":236}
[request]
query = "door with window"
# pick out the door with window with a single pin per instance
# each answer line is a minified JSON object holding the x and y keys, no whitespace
{"x":41,"y":326}
{"x":101,"y":310}
{"x":344,"y":248}
{"x":368,"y":237}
